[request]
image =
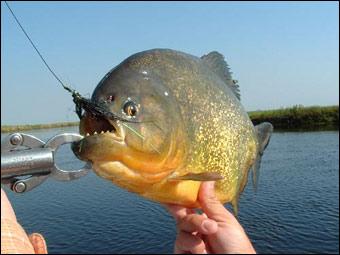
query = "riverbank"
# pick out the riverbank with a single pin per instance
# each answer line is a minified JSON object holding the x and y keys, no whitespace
{"x":293,"y":118}
{"x":15,"y":128}
{"x":300,"y":118}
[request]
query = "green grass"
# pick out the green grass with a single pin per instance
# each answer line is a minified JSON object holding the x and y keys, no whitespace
{"x":294,"y":118}
{"x":299,"y":117}
{"x":15,"y":128}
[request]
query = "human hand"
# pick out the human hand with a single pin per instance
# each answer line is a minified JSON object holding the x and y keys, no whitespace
{"x":215,"y":231}
{"x":7,"y":211}
{"x":13,"y":236}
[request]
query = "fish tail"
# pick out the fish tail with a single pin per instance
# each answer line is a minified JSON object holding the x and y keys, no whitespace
{"x":263,"y":131}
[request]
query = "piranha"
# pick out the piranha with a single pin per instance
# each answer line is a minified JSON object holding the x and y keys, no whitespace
{"x":184,"y":125}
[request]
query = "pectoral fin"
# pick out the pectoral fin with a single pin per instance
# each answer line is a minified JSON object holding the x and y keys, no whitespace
{"x":207,"y":176}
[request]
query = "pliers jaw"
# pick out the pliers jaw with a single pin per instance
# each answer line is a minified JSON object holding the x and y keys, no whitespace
{"x":24,"y":155}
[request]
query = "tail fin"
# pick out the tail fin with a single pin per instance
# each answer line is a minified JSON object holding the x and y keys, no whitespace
{"x":263,"y":131}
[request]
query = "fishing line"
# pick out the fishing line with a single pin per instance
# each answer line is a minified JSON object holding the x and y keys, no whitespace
{"x":95,"y":108}
{"x":36,"y":49}
{"x":140,"y":136}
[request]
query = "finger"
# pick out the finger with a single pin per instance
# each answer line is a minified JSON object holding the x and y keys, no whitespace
{"x":204,"y":215}
{"x":213,"y":208}
{"x":186,"y":242}
{"x":207,"y":244}
{"x":39,"y":243}
{"x":177,"y":211}
{"x":194,"y":222}
{"x":178,"y":251}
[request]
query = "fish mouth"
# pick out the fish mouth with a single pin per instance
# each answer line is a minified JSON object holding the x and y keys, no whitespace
{"x":101,"y":127}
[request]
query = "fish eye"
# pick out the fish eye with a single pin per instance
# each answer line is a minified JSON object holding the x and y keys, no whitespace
{"x":130,"y":108}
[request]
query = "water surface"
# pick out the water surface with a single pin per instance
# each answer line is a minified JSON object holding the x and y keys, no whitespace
{"x":295,"y":209}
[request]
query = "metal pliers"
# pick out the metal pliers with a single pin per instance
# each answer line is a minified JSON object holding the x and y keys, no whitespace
{"x":24,"y":155}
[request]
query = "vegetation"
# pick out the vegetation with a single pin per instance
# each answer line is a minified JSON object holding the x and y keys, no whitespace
{"x":15,"y":128}
{"x":295,"y":118}
{"x":299,"y":117}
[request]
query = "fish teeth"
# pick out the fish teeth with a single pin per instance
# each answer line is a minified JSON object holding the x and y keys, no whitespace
{"x":95,"y":133}
{"x":102,"y":132}
{"x":87,"y":134}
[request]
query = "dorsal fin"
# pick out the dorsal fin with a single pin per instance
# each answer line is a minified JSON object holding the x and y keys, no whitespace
{"x":216,"y":62}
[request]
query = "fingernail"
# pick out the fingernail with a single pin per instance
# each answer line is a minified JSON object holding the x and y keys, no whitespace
{"x":211,"y":185}
{"x":209,"y":226}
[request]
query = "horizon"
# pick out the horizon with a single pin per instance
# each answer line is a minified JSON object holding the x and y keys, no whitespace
{"x":253,"y":111}
{"x":282,"y":54}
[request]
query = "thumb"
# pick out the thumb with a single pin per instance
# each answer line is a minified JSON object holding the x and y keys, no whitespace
{"x":38,"y":242}
{"x":213,"y":208}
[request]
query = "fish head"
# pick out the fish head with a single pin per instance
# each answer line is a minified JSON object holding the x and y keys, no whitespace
{"x":148,"y":141}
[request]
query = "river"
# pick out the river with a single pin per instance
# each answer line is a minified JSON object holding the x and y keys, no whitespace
{"x":295,"y":209}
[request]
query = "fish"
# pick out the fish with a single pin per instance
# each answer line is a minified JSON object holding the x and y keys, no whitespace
{"x":181,"y":122}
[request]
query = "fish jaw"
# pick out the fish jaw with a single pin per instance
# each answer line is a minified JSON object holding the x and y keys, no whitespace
{"x":105,"y":149}
{"x":102,"y":139}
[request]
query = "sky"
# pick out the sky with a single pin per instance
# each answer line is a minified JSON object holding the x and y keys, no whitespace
{"x":282,"y":54}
